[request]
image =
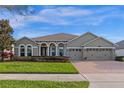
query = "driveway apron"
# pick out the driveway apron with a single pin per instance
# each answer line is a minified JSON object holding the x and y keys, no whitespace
{"x":102,"y":74}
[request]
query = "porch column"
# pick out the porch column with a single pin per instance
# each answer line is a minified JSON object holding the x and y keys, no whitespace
{"x":64,"y":49}
{"x":47,"y":50}
{"x":39,"y":50}
{"x":25,"y":50}
{"x":56,"y":50}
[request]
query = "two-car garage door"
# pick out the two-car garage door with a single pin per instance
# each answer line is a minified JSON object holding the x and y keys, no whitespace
{"x":98,"y":54}
{"x":91,"y":54}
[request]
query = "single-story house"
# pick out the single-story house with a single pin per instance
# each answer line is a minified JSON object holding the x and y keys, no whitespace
{"x":120,"y":48}
{"x":84,"y":47}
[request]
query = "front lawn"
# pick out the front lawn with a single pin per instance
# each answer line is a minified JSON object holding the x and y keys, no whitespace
{"x":42,"y":84}
{"x":37,"y":67}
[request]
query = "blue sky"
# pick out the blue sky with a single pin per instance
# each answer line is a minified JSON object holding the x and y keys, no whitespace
{"x":105,"y":21}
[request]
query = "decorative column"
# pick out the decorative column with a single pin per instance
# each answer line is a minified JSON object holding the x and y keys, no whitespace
{"x":47,"y":50}
{"x":113,"y":53}
{"x":64,"y":49}
{"x":39,"y":50}
{"x":56,"y":49}
{"x":19,"y":51}
{"x":25,"y":50}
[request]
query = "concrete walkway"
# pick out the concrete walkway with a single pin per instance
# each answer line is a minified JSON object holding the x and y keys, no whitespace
{"x":106,"y":80}
{"x":50,"y":77}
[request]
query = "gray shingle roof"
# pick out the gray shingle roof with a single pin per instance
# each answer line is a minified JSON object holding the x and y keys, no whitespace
{"x":54,"y":37}
{"x":120,"y":44}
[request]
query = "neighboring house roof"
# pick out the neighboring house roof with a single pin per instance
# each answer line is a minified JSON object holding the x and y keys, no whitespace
{"x":120,"y":44}
{"x":54,"y":37}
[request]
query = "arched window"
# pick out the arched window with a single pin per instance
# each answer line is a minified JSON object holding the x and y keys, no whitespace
{"x":22,"y":50}
{"x":52,"y":49}
{"x":29,"y":50}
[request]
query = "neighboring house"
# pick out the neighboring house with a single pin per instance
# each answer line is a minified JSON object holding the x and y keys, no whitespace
{"x":120,"y":48}
{"x":85,"y":47}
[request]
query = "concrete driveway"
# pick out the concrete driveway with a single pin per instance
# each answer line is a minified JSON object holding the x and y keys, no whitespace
{"x":102,"y":74}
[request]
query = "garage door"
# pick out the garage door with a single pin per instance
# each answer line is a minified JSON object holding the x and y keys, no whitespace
{"x":75,"y":54}
{"x":99,"y":54}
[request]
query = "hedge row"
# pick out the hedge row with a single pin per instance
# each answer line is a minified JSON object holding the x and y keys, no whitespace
{"x":119,"y":58}
{"x":43,"y":58}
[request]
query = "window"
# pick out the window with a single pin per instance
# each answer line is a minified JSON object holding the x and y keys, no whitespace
{"x":29,"y":51}
{"x":22,"y":50}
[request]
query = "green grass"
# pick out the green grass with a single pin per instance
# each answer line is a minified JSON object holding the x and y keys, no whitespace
{"x":42,"y":84}
{"x":37,"y":67}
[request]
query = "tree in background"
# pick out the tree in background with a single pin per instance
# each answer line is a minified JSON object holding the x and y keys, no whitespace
{"x":6,"y":38}
{"x":19,"y":9}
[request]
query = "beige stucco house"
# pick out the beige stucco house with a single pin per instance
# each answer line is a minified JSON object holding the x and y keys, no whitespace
{"x":85,"y":47}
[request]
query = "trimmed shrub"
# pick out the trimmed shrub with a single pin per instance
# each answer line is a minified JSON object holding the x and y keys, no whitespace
{"x":51,"y":58}
{"x":43,"y":58}
{"x":18,"y":58}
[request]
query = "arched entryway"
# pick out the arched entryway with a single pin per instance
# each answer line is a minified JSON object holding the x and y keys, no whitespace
{"x":52,"y":49}
{"x":61,"y":49}
{"x":43,"y":49}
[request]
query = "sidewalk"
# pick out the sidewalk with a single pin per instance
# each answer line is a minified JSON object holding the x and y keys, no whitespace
{"x":49,"y":77}
{"x":106,"y":80}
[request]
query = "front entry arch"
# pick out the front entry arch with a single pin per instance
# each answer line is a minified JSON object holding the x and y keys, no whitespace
{"x":43,"y":49}
{"x":53,"y":51}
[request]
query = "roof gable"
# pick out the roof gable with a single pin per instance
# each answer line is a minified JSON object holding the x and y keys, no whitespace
{"x":25,"y":40}
{"x":87,"y":33}
{"x":99,"y":42}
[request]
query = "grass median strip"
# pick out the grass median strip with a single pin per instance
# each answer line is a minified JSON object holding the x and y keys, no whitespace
{"x":42,"y":84}
{"x":37,"y":67}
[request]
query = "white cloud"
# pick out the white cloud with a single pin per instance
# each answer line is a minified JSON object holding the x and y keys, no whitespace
{"x":65,"y":12}
{"x":30,"y":33}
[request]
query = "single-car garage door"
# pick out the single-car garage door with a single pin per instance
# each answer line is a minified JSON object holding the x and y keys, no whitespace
{"x":98,"y":54}
{"x":75,"y":54}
